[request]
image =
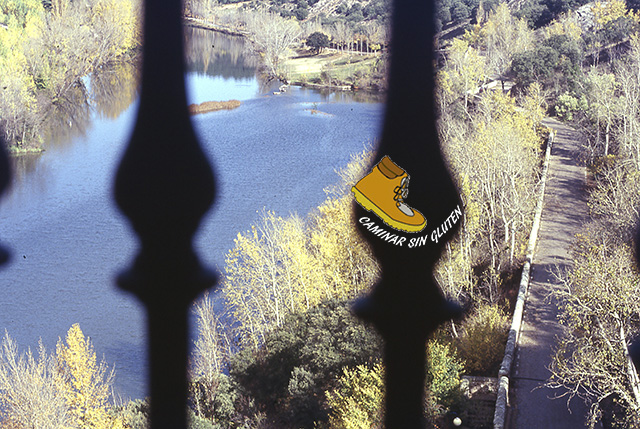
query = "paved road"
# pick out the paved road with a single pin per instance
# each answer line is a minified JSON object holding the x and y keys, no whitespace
{"x":564,"y":211}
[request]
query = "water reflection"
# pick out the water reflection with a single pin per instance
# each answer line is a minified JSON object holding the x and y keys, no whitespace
{"x":107,"y":92}
{"x":69,"y":117}
{"x":114,"y":88}
{"x":23,"y":165}
{"x":110,"y":90}
{"x":331,"y":95}
{"x":218,"y":55}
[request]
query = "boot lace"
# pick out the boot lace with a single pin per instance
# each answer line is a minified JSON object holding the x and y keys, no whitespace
{"x":401,"y":192}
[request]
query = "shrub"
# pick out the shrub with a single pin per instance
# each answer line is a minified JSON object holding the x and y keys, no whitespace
{"x":135,"y":414}
{"x":288,"y":375}
{"x":326,"y":75}
{"x":443,"y":378}
{"x":218,"y":406}
{"x":481,"y":342}
{"x":356,"y":402}
{"x":301,"y":13}
{"x":567,"y":105}
{"x":196,"y":422}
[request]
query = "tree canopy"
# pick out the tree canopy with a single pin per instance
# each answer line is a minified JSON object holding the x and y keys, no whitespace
{"x":317,"y":41}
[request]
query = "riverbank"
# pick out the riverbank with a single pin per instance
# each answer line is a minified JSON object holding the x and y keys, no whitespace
{"x":207,"y":25}
{"x":332,"y":69}
{"x":42,"y":72}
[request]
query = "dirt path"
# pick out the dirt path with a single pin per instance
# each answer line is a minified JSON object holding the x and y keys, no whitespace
{"x":564,"y":210}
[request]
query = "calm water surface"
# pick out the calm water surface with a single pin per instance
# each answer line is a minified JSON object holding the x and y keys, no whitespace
{"x":68,"y":239}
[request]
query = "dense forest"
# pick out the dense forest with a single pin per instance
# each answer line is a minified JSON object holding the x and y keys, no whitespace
{"x":287,"y":352}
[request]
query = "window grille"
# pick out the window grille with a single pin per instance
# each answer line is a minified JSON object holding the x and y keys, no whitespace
{"x":164,"y":185}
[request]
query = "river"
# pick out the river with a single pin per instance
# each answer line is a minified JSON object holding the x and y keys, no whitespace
{"x":68,"y":239}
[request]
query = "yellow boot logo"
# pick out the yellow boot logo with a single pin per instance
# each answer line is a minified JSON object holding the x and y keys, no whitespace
{"x":383,"y":192}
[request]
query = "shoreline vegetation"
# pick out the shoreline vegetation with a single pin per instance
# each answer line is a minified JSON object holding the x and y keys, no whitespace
{"x":348,"y":60}
{"x":19,"y":151}
{"x":329,"y":69}
{"x":45,"y":63}
{"x":48,"y":51}
{"x":213,"y":106}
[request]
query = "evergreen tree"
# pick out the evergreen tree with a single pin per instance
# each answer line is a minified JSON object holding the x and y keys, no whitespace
{"x":318,"y":41}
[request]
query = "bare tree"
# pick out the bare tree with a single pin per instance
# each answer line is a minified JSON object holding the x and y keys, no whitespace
{"x":604,"y":103}
{"x":29,"y":393}
{"x":600,"y":316}
{"x":495,"y":160}
{"x":210,"y":347}
{"x":342,"y":34}
{"x":272,"y":36}
{"x":209,"y":354}
{"x":376,"y":34}
{"x":628,"y":77}
{"x":313,"y":25}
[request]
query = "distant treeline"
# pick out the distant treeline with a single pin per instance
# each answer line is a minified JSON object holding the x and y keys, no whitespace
{"x":537,"y":13}
{"x":330,"y":12}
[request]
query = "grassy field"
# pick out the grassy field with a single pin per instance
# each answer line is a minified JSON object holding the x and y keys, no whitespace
{"x":331,"y":67}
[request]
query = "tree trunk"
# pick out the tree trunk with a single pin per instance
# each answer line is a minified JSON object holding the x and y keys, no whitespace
{"x":606,"y":139}
{"x":513,"y":246}
{"x":597,"y":131}
{"x":631,"y":369}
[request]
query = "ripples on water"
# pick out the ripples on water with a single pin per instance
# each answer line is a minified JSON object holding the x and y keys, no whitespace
{"x":68,"y":239}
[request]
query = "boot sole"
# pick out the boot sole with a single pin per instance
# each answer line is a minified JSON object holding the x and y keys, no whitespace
{"x":369,"y":205}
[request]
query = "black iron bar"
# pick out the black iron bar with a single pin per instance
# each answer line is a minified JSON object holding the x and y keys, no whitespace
{"x":165,"y":185}
{"x":406,"y":306}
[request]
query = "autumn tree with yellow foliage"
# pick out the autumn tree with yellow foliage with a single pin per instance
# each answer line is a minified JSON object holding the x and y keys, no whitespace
{"x":612,"y":23}
{"x":67,"y":389}
{"x":501,"y":37}
{"x":466,"y":70}
{"x":285,"y":265}
{"x":495,"y":160}
{"x":85,"y":382}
